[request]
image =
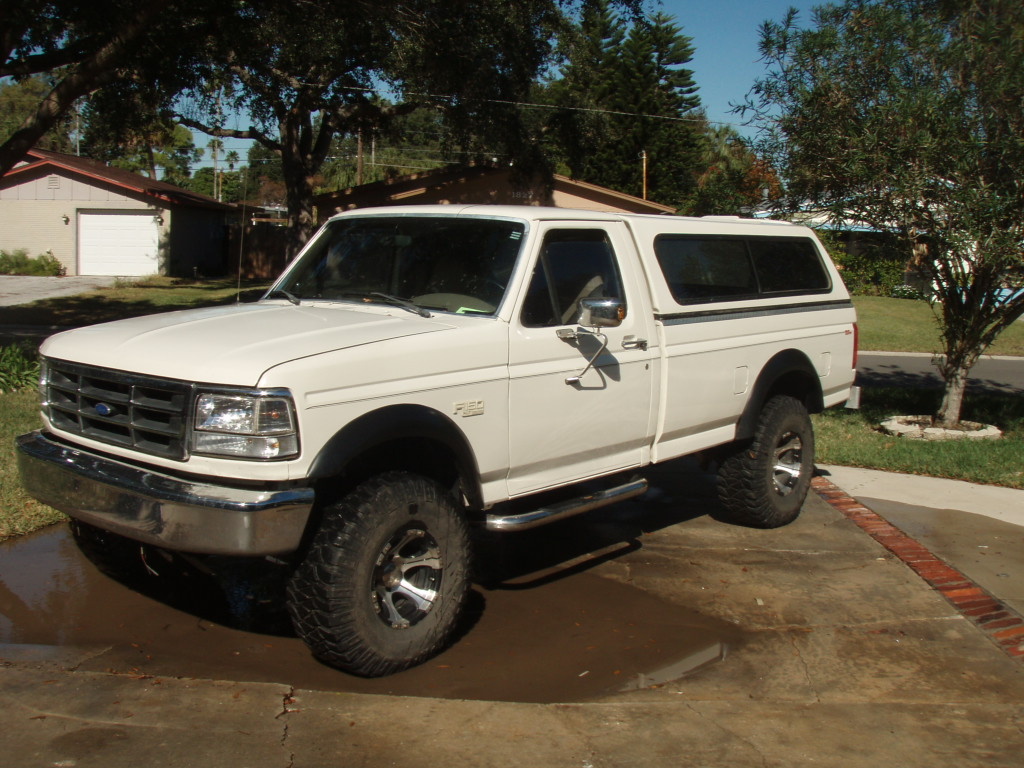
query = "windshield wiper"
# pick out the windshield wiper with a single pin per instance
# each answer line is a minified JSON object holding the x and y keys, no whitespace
{"x":387,"y":298}
{"x":278,"y":293}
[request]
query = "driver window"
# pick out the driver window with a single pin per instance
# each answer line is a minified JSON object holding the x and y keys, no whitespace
{"x":573,"y":264}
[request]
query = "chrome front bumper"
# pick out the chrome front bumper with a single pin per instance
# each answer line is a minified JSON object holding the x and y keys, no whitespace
{"x":161,"y":509}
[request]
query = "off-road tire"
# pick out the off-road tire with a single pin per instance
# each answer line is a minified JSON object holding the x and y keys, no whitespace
{"x":763,"y":483}
{"x":386,"y":577}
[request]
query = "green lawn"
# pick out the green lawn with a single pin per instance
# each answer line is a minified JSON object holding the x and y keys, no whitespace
{"x":852,"y":438}
{"x":902,"y":325}
{"x":19,"y":513}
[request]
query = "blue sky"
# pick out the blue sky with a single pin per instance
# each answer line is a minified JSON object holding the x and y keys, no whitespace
{"x":725,"y":35}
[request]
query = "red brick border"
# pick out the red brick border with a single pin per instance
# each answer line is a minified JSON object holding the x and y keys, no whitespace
{"x":1001,"y":624}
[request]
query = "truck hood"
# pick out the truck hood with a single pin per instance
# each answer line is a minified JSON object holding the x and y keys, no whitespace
{"x":234,"y":344}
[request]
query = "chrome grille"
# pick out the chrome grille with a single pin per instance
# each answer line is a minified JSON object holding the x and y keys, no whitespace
{"x":144,"y":413}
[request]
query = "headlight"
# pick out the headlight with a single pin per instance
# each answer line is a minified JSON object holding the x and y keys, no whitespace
{"x":245,"y":426}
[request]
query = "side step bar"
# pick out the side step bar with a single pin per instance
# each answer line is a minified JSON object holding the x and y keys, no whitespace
{"x":526,"y":520}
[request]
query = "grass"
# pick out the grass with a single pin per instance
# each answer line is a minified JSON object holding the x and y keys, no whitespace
{"x":853,"y":439}
{"x":19,"y":513}
{"x":901,"y":325}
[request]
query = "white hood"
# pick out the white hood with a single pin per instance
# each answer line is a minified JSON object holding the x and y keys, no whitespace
{"x":233,"y":344}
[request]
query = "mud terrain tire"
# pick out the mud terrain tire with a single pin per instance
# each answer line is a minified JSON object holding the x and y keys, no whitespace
{"x":763,"y":484}
{"x":386,"y":577}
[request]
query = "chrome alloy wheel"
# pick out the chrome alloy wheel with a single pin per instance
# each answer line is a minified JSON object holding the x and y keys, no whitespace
{"x":787,"y":466}
{"x":406,"y":578}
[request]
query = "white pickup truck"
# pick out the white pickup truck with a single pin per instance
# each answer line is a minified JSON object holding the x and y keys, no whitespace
{"x":419,"y":370}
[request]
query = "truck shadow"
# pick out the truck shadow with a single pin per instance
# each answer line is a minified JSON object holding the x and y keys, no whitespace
{"x":249,"y":593}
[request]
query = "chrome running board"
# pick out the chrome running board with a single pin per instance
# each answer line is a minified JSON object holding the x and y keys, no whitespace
{"x":526,"y":520}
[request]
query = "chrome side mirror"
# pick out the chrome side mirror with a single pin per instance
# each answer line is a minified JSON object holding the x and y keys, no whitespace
{"x":601,"y":313}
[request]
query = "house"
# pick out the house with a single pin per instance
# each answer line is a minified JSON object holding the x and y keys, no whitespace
{"x":99,"y":220}
{"x":482,"y":184}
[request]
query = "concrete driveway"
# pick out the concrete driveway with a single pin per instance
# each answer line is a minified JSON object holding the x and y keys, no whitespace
{"x":838,"y":652}
{"x":15,"y":289}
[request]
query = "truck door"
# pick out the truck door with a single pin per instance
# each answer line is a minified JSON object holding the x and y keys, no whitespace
{"x":565,"y":426}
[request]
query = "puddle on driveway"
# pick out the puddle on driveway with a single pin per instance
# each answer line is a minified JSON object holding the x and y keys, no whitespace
{"x":563,"y":635}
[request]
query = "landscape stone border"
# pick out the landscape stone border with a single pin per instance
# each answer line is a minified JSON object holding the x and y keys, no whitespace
{"x":920,"y":428}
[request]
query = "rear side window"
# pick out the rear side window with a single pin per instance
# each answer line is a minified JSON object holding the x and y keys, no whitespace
{"x":788,"y":266}
{"x":705,"y":269}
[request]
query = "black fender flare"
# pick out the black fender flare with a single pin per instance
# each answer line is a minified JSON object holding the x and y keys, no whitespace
{"x":789,"y":372}
{"x":397,"y":422}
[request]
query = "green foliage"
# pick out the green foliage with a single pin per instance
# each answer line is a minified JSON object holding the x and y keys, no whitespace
{"x":19,"y":100}
{"x":404,"y":144}
{"x":625,"y":95}
{"x":870,"y":266}
{"x":905,"y":115}
{"x":136,"y":52}
{"x":19,"y":367}
{"x":20,"y":263}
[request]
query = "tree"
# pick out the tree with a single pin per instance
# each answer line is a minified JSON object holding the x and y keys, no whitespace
{"x":20,"y":99}
{"x":82,"y":47}
{"x":589,"y":50}
{"x":309,"y":72}
{"x":905,"y":115}
{"x":418,"y":141}
{"x":140,"y":144}
{"x":629,"y":104}
{"x":734,"y":181}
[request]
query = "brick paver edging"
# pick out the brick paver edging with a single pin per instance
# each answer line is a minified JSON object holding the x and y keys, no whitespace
{"x":1001,"y":624}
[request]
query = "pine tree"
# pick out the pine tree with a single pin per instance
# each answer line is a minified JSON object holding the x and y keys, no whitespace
{"x":645,"y":102}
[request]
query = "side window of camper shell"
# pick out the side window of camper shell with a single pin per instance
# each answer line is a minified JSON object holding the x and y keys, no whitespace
{"x":706,"y":269}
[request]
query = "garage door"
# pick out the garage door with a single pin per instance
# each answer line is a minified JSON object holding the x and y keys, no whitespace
{"x":118,"y":244}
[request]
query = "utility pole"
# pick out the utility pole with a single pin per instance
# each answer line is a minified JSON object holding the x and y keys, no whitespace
{"x":643,"y":160}
{"x":359,"y":157}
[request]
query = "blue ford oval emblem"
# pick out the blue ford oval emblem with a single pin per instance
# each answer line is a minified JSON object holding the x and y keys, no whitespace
{"x":103,"y":409}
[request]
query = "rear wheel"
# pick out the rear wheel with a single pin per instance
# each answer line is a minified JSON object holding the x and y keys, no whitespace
{"x":763,"y":484}
{"x":386,"y":577}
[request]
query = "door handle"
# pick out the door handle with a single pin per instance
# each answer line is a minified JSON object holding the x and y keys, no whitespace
{"x":633,"y":342}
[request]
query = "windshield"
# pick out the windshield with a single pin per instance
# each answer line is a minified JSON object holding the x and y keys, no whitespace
{"x":438,"y":263}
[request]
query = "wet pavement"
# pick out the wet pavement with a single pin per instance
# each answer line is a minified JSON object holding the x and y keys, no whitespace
{"x":646,"y":634}
{"x":567,"y":636}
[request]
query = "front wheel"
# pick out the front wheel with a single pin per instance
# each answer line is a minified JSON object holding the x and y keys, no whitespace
{"x":386,"y":577}
{"x":763,"y":484}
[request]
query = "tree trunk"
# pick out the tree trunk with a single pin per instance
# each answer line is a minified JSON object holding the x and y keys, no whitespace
{"x":299,"y":193}
{"x":953,"y":398}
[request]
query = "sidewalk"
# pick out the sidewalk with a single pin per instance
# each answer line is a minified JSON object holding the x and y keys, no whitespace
{"x":844,"y":657}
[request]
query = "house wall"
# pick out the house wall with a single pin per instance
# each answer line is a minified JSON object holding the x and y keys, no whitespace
{"x":31,"y":215}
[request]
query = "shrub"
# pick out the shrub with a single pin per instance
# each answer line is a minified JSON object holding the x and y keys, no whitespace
{"x":19,"y":367}
{"x":19,"y":263}
{"x":871,"y":266}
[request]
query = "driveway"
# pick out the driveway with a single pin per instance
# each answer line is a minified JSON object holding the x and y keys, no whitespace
{"x":820,"y":646}
{"x":15,"y":289}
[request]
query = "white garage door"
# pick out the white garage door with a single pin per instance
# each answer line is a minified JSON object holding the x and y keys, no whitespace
{"x":118,"y":244}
